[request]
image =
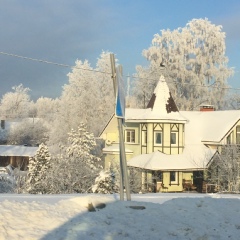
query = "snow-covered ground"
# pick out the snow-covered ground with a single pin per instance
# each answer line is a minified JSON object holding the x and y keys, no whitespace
{"x":166,"y":216}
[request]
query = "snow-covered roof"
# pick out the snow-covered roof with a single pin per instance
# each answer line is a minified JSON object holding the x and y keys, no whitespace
{"x":192,"y":158}
{"x":208,"y":126}
{"x":13,"y":150}
{"x":115,"y":148}
{"x":160,"y":107}
{"x":148,"y":115}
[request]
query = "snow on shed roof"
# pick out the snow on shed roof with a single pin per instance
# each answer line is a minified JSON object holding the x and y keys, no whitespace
{"x":13,"y":150}
{"x":194,"y":157}
{"x":209,"y":126}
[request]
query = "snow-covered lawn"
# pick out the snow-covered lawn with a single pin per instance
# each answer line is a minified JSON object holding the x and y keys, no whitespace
{"x":166,"y":216}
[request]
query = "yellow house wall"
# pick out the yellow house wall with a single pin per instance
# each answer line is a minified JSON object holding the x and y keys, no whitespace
{"x":166,"y":148}
{"x":172,"y":188}
{"x":113,"y":159}
{"x":187,"y":175}
{"x":111,"y":131}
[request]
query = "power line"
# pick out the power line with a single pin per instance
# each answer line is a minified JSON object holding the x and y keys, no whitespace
{"x":48,"y":62}
{"x":92,"y":70}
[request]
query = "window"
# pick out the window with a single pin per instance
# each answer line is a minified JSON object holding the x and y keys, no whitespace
{"x":173,"y":177}
{"x":173,"y":138}
{"x":130,"y":136}
{"x":144,"y":137}
{"x":158,"y":138}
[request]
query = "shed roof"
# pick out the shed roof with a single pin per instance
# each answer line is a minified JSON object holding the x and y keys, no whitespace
{"x":14,"y":150}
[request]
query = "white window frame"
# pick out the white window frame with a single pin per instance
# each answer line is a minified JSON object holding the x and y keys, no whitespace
{"x":155,"y":138}
{"x":132,"y":138}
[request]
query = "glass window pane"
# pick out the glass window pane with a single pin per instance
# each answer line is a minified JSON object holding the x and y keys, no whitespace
{"x":158,"y":138}
{"x":132,"y":136}
{"x":172,"y":176}
{"x":173,"y":138}
{"x":144,"y":137}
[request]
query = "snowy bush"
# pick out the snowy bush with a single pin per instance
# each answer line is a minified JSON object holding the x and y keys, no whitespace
{"x":105,"y":183}
{"x":6,"y":186}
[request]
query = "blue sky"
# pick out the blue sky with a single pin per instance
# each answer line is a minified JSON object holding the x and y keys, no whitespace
{"x":65,"y":30}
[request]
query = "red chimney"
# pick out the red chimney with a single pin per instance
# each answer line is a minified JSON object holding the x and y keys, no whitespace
{"x":207,"y":108}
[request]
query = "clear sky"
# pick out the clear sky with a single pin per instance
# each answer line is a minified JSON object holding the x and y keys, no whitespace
{"x":65,"y":30}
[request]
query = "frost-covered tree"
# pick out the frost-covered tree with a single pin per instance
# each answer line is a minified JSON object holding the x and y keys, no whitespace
{"x":15,"y":104}
{"x":46,"y":108}
{"x":76,"y":168}
{"x":105,"y":183}
{"x":29,"y":131}
{"x":81,"y":143}
{"x":233,"y":101}
{"x":195,"y":65}
{"x":106,"y":99}
{"x":38,"y":168}
{"x":224,"y":170}
{"x":77,"y":103}
{"x":88,"y":98}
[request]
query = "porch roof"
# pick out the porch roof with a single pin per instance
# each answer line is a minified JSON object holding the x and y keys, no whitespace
{"x":194,"y":158}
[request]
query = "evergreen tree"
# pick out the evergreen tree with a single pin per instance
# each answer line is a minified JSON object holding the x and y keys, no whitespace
{"x":105,"y":183}
{"x":38,"y":167}
{"x":76,"y":168}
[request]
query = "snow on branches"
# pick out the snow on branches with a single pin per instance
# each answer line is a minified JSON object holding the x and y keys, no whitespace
{"x":195,"y":65}
{"x":38,"y":167}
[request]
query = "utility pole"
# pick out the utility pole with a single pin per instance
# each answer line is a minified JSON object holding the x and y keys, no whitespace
{"x":124,"y":181}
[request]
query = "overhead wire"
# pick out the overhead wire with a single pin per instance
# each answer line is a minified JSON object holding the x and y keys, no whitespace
{"x":104,"y":72}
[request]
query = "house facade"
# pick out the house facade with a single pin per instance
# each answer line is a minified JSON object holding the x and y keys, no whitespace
{"x":171,"y":147}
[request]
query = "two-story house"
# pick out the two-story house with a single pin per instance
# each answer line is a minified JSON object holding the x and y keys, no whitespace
{"x":168,"y":145}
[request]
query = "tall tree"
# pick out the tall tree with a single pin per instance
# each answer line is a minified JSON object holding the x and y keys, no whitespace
{"x":195,"y":65}
{"x":105,"y":92}
{"x":15,"y":104}
{"x":87,"y":98}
